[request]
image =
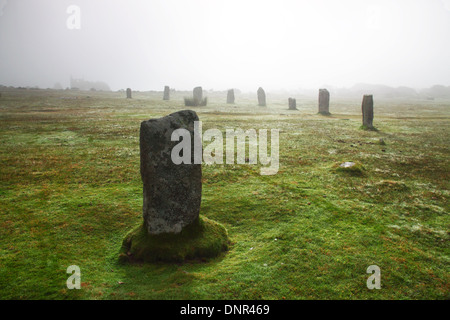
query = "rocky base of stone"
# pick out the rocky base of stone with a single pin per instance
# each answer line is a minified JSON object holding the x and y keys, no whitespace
{"x":324,"y":113}
{"x":192,"y":102}
{"x":203,"y":239}
{"x":368,"y":128}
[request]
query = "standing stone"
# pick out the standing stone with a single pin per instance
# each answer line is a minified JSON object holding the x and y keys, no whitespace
{"x":324,"y":101}
{"x":261,"y":97}
{"x":172,"y":193}
{"x":367,"y":111}
{"x":230,"y":96}
{"x":166,"y":93}
{"x":198,"y":95}
{"x":292,"y":104}
{"x":128,"y":93}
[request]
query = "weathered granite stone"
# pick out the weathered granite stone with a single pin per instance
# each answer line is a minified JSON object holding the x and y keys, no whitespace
{"x":230,"y":96}
{"x":198,"y":94}
{"x":172,"y":193}
{"x":324,"y":101}
{"x":166,"y":93}
{"x":128,"y":93}
{"x":261,"y":97}
{"x":292,"y":104}
{"x":347,"y":164}
{"x":367,"y":111}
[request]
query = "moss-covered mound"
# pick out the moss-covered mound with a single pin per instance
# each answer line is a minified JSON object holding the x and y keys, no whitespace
{"x":203,"y":238}
{"x":391,"y":186}
{"x":364,"y":127}
{"x":350,"y":168}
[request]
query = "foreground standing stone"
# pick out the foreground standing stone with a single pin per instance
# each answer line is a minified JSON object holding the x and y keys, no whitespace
{"x":172,"y":193}
{"x":261,"y":97}
{"x":128,"y":93}
{"x":230,"y":96}
{"x":166,"y":93}
{"x":367,"y":111}
{"x":292,"y":104}
{"x":172,"y":229}
{"x":324,"y":102}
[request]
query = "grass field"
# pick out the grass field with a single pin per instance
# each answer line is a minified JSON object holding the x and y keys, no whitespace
{"x":70,"y":190}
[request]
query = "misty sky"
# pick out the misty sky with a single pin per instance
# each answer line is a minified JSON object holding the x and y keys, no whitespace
{"x":276,"y":44}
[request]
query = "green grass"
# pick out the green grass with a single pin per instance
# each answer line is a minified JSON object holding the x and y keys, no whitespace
{"x":70,"y":191}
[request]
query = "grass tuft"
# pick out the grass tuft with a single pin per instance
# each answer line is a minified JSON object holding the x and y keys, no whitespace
{"x":390,"y":186}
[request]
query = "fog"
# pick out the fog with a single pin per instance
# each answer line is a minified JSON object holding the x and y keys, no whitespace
{"x":243,"y":44}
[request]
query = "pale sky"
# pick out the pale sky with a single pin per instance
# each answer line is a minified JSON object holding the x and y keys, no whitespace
{"x":276,"y":44}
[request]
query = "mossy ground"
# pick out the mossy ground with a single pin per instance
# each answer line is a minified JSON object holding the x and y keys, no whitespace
{"x":70,"y":191}
{"x":201,"y":240}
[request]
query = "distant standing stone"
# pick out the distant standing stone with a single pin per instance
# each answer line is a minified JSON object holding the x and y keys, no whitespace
{"x":172,"y":193}
{"x":292,"y":104}
{"x":324,"y":101}
{"x":128,"y":93}
{"x":166,"y":93}
{"x":261,"y":97}
{"x":230,"y":96}
{"x":367,"y":111}
{"x":198,"y":94}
